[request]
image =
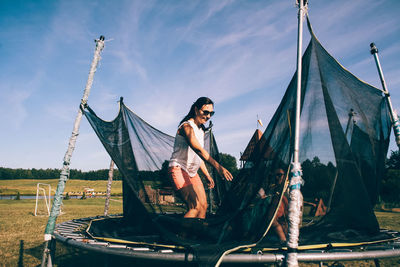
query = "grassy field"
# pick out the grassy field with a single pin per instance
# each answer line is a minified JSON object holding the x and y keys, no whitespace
{"x":19,"y":226}
{"x":21,"y":233}
{"x":28,"y":186}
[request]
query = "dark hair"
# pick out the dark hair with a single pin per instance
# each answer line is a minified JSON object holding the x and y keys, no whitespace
{"x":200,"y":102}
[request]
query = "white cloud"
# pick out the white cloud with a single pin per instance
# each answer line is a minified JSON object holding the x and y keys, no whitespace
{"x":14,"y":97}
{"x":12,"y":105}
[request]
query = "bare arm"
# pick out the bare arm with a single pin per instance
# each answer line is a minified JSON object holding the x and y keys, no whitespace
{"x":204,"y":170}
{"x":187,"y":131}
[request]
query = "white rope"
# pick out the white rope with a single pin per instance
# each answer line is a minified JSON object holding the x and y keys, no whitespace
{"x":304,"y":8}
{"x":93,"y":68}
{"x":109,"y":182}
{"x":295,"y":211}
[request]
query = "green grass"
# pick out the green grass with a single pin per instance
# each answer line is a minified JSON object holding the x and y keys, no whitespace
{"x":17,"y":223}
{"x":28,"y":186}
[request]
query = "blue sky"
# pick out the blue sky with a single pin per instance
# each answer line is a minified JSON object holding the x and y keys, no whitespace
{"x":161,"y":56}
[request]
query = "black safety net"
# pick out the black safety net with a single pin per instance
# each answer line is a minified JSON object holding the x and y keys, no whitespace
{"x":344,"y":136}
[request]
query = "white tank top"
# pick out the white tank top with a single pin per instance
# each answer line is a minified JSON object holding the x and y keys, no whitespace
{"x":183,"y":155}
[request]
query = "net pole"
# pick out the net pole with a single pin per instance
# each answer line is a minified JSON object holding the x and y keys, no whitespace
{"x":295,"y":196}
{"x":393,"y":114}
{"x":108,"y":194}
{"x":64,"y":175}
{"x":210,"y":195}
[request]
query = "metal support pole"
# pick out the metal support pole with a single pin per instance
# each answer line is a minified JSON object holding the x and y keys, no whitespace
{"x":295,"y":196}
{"x":64,"y":175}
{"x":108,"y":195}
{"x":393,"y":115}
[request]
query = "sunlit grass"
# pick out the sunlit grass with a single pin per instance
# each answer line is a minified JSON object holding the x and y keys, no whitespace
{"x":28,"y":186}
{"x":17,"y":223}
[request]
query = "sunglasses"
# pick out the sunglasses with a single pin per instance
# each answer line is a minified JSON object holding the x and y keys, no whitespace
{"x":279,"y":174}
{"x":206,"y":112}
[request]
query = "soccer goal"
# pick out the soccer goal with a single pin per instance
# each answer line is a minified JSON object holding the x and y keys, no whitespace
{"x":42,"y":206}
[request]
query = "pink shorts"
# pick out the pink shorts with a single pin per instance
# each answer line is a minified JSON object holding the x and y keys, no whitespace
{"x":181,"y":178}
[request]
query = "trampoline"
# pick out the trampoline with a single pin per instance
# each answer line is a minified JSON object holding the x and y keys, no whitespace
{"x":73,"y":233}
{"x":344,"y":138}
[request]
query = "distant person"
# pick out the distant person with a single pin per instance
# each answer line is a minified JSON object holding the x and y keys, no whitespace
{"x":279,"y":225}
{"x":188,"y":156}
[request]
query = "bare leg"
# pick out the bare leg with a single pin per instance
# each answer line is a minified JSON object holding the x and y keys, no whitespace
{"x":279,"y":230}
{"x":201,"y":199}
{"x":190,"y":197}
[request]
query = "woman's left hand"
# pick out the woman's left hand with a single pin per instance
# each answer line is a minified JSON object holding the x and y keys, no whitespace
{"x":225,"y":173}
{"x":210,"y":182}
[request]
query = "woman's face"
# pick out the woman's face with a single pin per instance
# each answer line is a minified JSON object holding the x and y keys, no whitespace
{"x":279,"y":176}
{"x":204,"y":114}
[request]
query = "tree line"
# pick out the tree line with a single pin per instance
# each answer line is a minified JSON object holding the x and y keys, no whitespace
{"x":390,"y":186}
{"x":319,"y":178}
{"x":10,"y":174}
{"x":313,"y":170}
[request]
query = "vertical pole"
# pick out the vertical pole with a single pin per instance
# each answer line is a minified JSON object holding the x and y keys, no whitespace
{"x":295,"y":196}
{"x":64,"y":175}
{"x":210,"y":190}
{"x":110,"y":178}
{"x":298,"y":92}
{"x":393,"y":115}
{"x":37,"y":198}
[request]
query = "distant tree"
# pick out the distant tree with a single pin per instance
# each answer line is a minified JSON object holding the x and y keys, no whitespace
{"x":229,"y":162}
{"x":163,"y":175}
{"x":393,"y":162}
{"x":318,"y":178}
{"x":316,"y":162}
{"x":390,"y":186}
{"x":11,"y":174}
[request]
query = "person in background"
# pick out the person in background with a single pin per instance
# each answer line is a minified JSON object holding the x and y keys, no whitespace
{"x":279,"y":224}
{"x":189,"y":155}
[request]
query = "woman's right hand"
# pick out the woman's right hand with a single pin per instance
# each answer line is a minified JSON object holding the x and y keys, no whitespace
{"x":225,"y":173}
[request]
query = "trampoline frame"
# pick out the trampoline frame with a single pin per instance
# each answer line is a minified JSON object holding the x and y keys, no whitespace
{"x":70,"y":233}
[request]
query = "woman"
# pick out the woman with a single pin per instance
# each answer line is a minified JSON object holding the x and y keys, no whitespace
{"x":189,"y":156}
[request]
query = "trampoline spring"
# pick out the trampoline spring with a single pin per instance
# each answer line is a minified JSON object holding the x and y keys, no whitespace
{"x":64,"y":233}
{"x":74,"y":224}
{"x":139,"y":249}
{"x":72,"y":234}
{"x":73,"y":237}
{"x":66,"y":227}
{"x":69,"y":228}
{"x":392,"y":232}
{"x":166,"y":251}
